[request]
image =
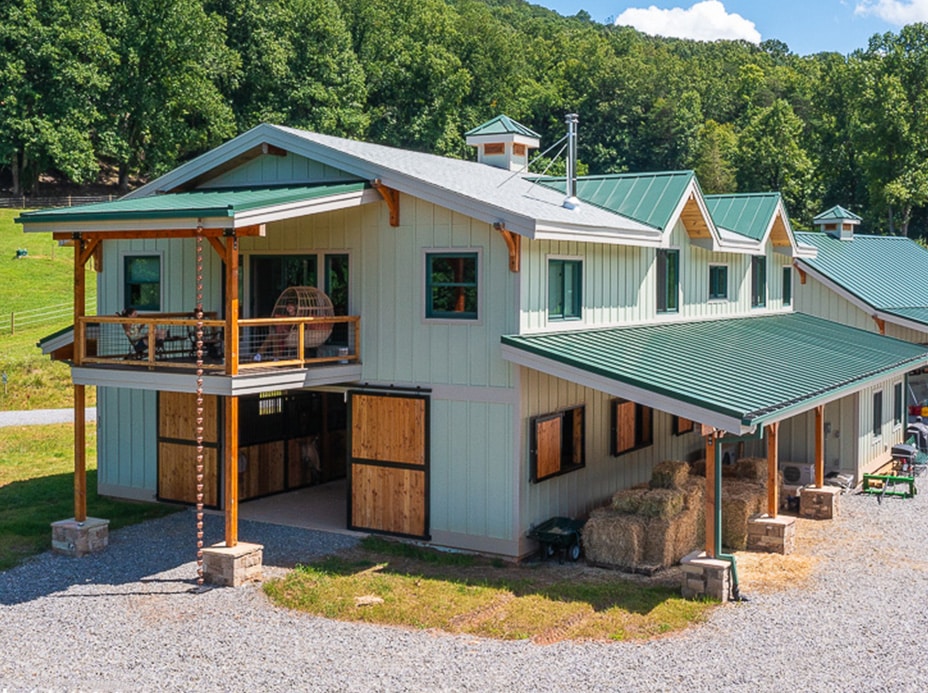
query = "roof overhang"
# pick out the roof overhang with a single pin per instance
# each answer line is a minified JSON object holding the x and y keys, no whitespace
{"x":734,"y":375}
{"x":233,"y":208}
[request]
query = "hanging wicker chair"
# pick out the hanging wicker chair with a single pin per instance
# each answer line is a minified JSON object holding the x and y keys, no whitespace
{"x":310,"y":302}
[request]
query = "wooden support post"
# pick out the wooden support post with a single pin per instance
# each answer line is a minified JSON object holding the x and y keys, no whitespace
{"x":710,"y":494}
{"x":231,"y":470}
{"x":820,"y":446}
{"x":773,"y":478}
{"x":80,"y":398}
{"x":232,"y":341}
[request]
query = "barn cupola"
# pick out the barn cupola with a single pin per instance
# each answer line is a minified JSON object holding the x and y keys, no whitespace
{"x":837,"y":222}
{"x":503,"y":143}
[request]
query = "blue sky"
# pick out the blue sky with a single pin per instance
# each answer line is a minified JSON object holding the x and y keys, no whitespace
{"x":806,"y":26}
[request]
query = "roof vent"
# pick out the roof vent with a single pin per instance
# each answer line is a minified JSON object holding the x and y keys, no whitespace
{"x":571,"y":202}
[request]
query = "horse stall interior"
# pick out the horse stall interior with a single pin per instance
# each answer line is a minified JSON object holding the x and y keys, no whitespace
{"x":287,"y":440}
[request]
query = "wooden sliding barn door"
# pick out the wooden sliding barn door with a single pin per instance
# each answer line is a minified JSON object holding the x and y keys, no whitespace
{"x":388,"y":463}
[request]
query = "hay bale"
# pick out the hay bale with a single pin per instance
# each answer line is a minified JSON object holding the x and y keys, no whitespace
{"x":752,"y":468}
{"x":694,"y":493}
{"x":628,"y":500}
{"x":740,"y":500}
{"x":662,"y":502}
{"x":670,"y":474}
{"x":698,"y":467}
{"x":614,"y":539}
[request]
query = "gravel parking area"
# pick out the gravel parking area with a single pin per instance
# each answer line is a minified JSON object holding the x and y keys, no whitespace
{"x":127,"y":620}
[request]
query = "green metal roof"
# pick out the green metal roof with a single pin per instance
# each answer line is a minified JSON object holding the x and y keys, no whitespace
{"x":748,"y":215}
{"x":197,"y":203}
{"x":836,"y":213}
{"x":651,"y":198}
{"x":755,"y":370}
{"x":887,"y":272}
{"x":502,"y":125}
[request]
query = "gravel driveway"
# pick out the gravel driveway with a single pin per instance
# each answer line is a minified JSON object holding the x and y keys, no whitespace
{"x":127,"y":620}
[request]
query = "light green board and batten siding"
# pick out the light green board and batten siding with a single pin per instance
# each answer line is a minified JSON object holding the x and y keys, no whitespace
{"x":471,"y":491}
{"x":619,"y":283}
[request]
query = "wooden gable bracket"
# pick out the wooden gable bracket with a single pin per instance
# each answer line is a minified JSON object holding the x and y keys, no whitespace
{"x":391,"y":197}
{"x":881,"y":324}
{"x":87,"y":249}
{"x":802,"y":274}
{"x":514,"y":243}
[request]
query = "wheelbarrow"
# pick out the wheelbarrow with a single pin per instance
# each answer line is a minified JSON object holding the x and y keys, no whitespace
{"x":558,"y":533}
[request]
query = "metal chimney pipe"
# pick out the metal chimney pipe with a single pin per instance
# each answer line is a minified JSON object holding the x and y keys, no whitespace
{"x":571,"y":202}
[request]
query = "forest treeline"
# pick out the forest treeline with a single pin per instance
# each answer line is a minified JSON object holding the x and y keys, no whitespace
{"x":135,"y":87}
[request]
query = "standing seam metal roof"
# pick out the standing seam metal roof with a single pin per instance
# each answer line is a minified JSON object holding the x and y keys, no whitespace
{"x":752,"y":369}
{"x":886,"y":272}
{"x":651,"y":198}
{"x":747,"y":215}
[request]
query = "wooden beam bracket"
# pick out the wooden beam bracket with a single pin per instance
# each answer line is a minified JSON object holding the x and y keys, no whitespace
{"x":391,"y":197}
{"x":513,"y":243}
{"x":881,"y":324}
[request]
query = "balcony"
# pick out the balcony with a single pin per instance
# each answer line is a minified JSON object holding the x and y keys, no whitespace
{"x":276,"y":351}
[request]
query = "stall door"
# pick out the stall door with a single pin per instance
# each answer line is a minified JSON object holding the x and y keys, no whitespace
{"x":388,"y":470}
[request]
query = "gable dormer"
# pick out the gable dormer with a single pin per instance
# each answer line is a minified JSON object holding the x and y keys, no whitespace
{"x":837,"y":222}
{"x":503,"y":143}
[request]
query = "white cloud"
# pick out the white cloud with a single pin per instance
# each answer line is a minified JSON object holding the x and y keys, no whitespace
{"x":704,"y":21}
{"x":895,"y":11}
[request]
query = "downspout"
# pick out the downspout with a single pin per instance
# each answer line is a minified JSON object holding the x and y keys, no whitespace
{"x":717,"y":538}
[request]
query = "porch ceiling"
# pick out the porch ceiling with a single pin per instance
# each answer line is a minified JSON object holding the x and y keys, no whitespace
{"x":734,"y":374}
{"x":209,"y":209}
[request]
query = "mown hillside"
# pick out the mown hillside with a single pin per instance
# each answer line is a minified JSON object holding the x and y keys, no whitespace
{"x":135,"y":87}
{"x":35,"y":301}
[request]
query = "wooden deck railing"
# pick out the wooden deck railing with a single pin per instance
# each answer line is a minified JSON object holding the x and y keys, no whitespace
{"x":262,"y":342}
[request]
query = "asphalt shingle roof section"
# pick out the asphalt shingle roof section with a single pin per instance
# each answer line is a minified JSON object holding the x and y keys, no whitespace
{"x":887,"y":272}
{"x":198,"y":203}
{"x":651,"y":198}
{"x":748,"y":215}
{"x":754,"y":370}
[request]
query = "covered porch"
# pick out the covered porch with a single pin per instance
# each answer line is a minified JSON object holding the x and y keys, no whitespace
{"x":737,"y":379}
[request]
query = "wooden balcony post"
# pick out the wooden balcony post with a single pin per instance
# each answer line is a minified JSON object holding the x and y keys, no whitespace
{"x":231,"y":470}
{"x":232,"y":340}
{"x":773,"y":478}
{"x":820,"y":446}
{"x":80,"y":400}
{"x":710,"y":494}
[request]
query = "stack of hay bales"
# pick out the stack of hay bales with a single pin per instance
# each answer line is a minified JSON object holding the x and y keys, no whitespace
{"x":744,"y":493}
{"x":648,"y":527}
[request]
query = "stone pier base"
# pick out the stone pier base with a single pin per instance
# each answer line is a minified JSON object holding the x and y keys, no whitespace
{"x":705,"y":577}
{"x":232,"y":566}
{"x":819,"y":503}
{"x":772,"y":534}
{"x":73,"y":538}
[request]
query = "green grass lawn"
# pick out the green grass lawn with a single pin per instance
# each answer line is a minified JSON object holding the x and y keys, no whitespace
{"x":396,"y":584}
{"x":38,"y":289}
{"x":37,"y":488}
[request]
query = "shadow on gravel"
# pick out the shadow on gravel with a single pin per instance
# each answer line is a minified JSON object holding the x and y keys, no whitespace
{"x":159,"y":553}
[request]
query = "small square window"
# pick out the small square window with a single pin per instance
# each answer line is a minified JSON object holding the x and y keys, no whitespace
{"x":564,"y":292}
{"x":718,"y":282}
{"x":451,"y":286}
{"x":142,"y":282}
{"x":558,"y":443}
